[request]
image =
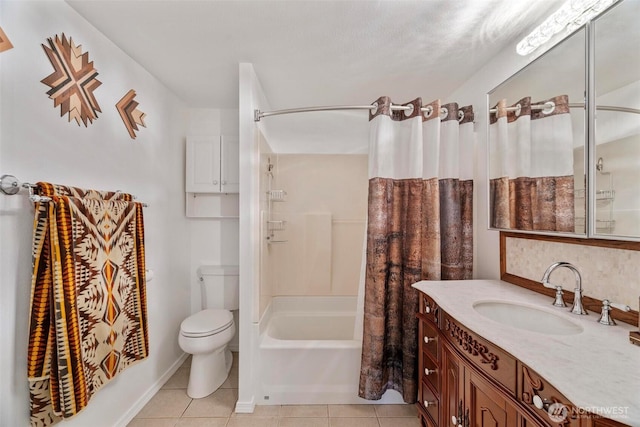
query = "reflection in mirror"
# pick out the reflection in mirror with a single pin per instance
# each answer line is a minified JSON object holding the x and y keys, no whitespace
{"x":536,"y":124}
{"x":617,"y":123}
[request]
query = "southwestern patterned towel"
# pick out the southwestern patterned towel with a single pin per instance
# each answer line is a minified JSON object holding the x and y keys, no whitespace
{"x":88,"y":299}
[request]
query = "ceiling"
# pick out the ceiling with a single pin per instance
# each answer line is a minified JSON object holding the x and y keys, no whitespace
{"x":313,"y":52}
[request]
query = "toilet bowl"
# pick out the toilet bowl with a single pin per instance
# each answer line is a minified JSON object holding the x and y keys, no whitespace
{"x":206,"y":335}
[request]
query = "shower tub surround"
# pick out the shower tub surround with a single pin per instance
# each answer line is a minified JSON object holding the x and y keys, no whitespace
{"x":308,"y":354}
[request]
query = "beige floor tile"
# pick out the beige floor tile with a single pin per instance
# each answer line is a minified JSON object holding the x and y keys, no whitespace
{"x":261,"y":411}
{"x":178,"y":380}
{"x":304,"y":422}
{"x":396,"y":410}
{"x":352,"y":411}
{"x":304,"y":411}
{"x":354,"y":422}
{"x":232,"y":379}
{"x":399,"y":422}
{"x":153,"y":422}
{"x":202,"y":422}
{"x":166,"y":404}
{"x":253,"y":422}
{"x":220,"y":403}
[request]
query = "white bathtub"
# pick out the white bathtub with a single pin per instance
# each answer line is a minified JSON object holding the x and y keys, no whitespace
{"x":308,"y":355}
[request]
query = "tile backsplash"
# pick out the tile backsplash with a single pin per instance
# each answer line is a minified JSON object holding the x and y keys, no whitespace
{"x":607,"y":273}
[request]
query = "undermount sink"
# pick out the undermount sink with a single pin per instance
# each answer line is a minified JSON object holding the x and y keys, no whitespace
{"x":526,"y":317}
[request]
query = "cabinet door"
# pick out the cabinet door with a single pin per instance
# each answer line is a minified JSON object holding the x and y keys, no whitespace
{"x":453,"y":386}
{"x":203,"y":165}
{"x":487,"y":407}
{"x":230,"y":164}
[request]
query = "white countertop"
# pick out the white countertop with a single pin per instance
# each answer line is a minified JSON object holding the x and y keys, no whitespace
{"x":597,"y":369}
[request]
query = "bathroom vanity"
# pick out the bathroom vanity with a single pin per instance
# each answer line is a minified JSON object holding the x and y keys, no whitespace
{"x":494,"y":354}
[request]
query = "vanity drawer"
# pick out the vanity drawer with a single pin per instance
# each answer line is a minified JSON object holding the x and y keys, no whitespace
{"x":429,"y":339}
{"x":429,"y":402}
{"x":537,"y":395}
{"x":429,"y":308}
{"x":495,"y":362}
{"x":430,"y":372}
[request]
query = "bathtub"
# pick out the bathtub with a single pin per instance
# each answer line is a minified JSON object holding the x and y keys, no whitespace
{"x":307,"y":354}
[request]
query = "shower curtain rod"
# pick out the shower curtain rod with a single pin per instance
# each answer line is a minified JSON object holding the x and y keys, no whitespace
{"x":550,"y":105}
{"x":257,"y":114}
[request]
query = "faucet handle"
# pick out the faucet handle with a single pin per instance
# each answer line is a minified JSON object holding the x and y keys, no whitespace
{"x":605,"y":315}
{"x":559,"y":300}
{"x":619,"y":306}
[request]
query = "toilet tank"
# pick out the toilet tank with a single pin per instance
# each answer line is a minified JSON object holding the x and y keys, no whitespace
{"x":220,"y":286}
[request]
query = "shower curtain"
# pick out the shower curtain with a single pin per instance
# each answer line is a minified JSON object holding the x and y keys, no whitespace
{"x":419,"y":226}
{"x":532,"y":177}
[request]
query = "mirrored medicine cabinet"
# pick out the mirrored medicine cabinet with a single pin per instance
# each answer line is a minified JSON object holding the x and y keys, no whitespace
{"x":564,"y":135}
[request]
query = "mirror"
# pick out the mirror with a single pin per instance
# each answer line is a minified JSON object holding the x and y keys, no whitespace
{"x":616,"y":169}
{"x":537,"y":144}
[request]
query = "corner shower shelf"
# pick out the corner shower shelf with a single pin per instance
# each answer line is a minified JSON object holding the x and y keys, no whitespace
{"x":601,"y":195}
{"x":276,"y":225}
{"x":277,"y":195}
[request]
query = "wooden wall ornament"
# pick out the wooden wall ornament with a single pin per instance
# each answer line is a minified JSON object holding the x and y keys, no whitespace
{"x":131,"y":116}
{"x":5,"y":44}
{"x":73,"y":80}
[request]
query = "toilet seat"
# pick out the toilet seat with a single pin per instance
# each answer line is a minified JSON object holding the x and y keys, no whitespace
{"x":206,"y":322}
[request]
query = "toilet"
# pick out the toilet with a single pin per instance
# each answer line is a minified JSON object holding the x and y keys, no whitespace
{"x":206,"y":334}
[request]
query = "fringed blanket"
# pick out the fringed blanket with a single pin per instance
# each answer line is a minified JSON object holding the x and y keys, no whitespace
{"x":88,"y":300}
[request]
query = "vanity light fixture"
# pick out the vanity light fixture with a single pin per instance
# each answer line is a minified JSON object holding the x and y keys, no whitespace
{"x":572,"y":15}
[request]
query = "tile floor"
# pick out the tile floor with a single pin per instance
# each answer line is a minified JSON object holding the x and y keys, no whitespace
{"x":171,"y":407}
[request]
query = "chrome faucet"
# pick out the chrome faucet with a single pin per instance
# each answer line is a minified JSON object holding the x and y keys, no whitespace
{"x":577,"y":292}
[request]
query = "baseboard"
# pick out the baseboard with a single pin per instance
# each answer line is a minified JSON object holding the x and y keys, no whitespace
{"x":246,"y":407}
{"x":148,"y":395}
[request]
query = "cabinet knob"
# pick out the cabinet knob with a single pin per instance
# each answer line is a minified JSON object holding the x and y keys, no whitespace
{"x":429,"y":371}
{"x":427,"y":340}
{"x":223,"y":182}
{"x":537,"y":402}
{"x":427,"y":403}
{"x":215,"y":182}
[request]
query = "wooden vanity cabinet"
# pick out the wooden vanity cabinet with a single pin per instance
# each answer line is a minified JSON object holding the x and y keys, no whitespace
{"x":466,"y":381}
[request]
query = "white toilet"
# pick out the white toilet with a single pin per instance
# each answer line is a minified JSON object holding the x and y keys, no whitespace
{"x":206,"y":334}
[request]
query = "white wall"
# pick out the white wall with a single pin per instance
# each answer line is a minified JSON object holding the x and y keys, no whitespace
{"x":37,"y":144}
{"x":252,"y":138}
{"x":486,"y":242}
{"x":214,"y":241}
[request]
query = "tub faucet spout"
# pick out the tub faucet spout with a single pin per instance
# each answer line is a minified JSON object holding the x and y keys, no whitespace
{"x":577,"y":292}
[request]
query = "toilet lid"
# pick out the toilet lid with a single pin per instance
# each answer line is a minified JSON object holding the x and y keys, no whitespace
{"x":206,"y":322}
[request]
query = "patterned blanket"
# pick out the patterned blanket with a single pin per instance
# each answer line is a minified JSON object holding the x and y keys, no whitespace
{"x":88,"y":317}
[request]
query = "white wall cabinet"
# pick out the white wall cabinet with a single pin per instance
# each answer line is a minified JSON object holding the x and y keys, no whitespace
{"x":213,"y":165}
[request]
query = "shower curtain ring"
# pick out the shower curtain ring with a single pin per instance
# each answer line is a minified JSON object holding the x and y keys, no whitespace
{"x":549,"y":106}
{"x":409,"y":111}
